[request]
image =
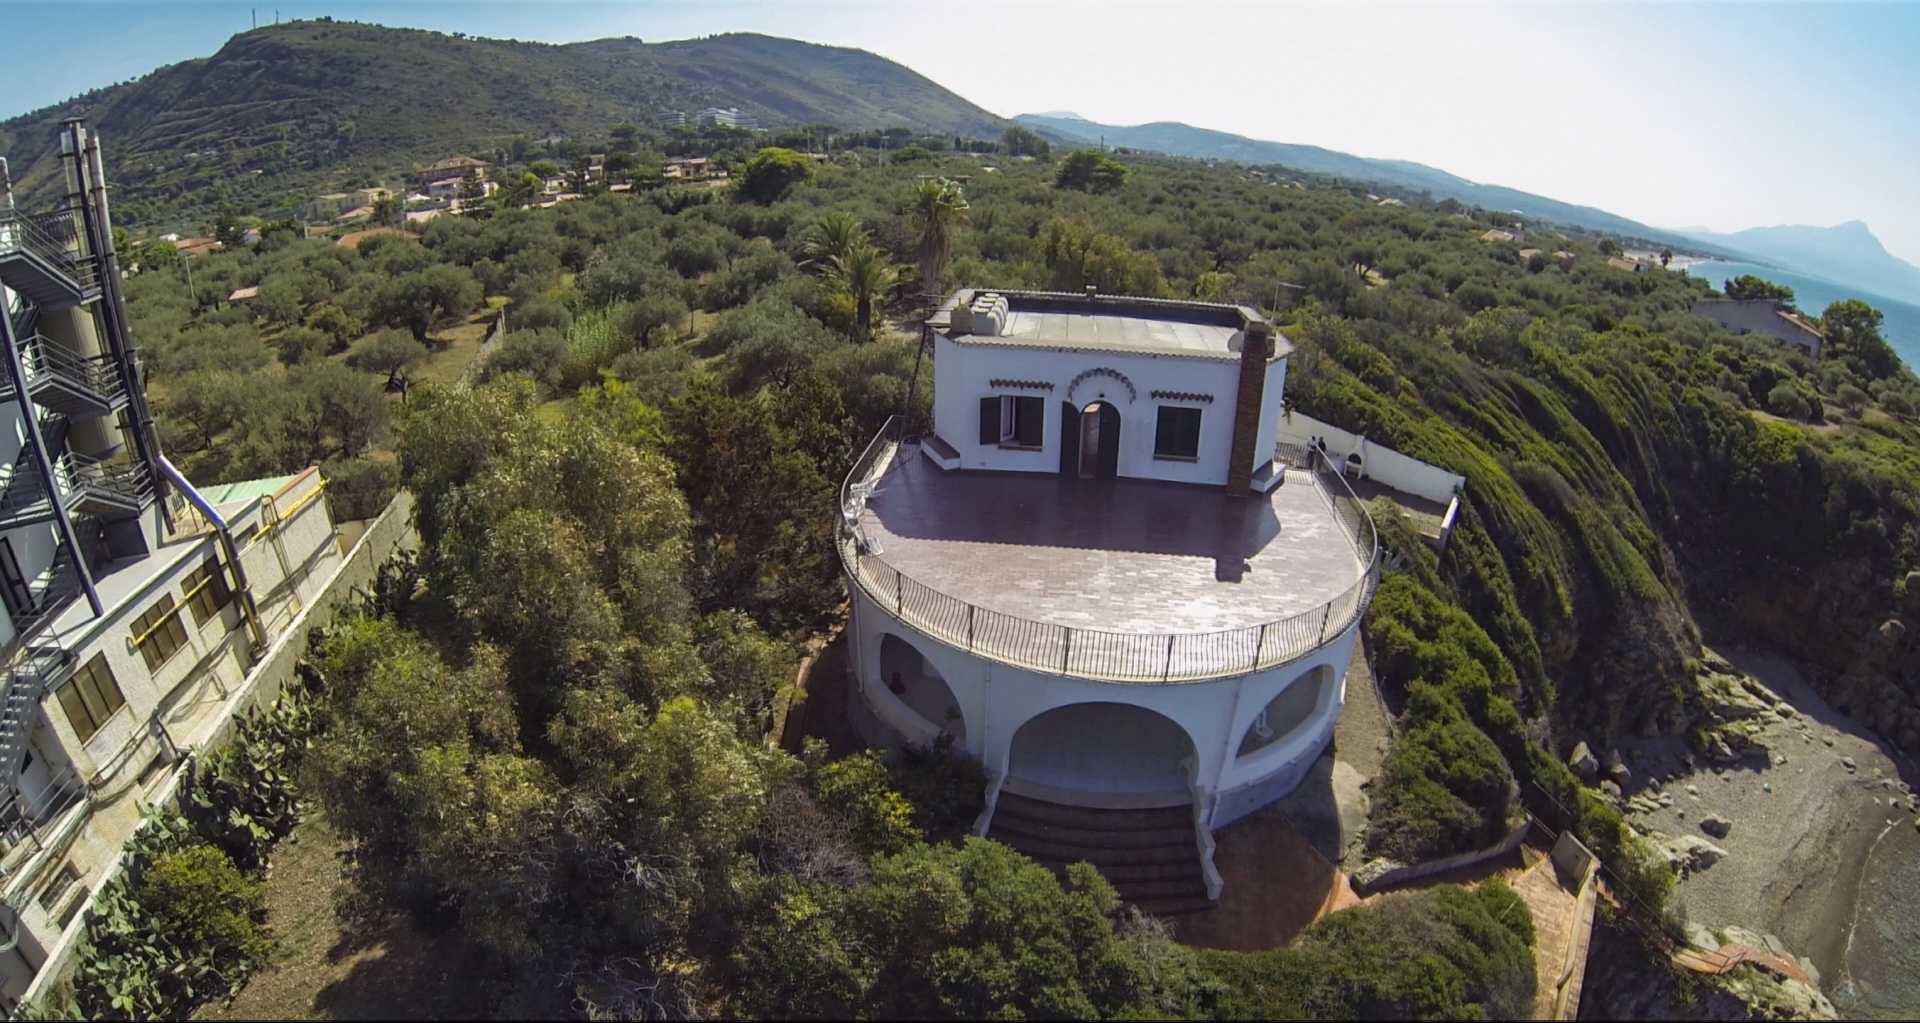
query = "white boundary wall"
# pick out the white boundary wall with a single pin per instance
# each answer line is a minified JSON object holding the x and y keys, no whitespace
{"x":1377,"y":461}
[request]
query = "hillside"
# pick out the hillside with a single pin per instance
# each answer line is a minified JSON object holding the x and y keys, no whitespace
{"x":1846,"y":253}
{"x":306,"y":96}
{"x":1177,"y":139}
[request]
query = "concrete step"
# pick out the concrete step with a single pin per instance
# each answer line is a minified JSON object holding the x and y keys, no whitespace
{"x":1066,"y":834}
{"x":1098,"y":855}
{"x":1129,"y":873}
{"x":1092,"y":818}
{"x":1149,"y":855}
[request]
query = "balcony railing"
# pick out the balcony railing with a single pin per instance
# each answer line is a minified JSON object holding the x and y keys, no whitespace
{"x":1091,"y":653}
{"x":65,"y":381}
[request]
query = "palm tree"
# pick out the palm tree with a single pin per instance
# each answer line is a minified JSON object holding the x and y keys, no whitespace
{"x":835,"y":235}
{"x":934,"y":207}
{"x":864,"y":274}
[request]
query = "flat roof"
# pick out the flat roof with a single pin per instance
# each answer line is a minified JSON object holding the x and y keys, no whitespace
{"x":1112,"y":323}
{"x":1113,"y":334}
{"x":1116,"y":555}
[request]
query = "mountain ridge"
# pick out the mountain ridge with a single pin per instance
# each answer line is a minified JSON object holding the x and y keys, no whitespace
{"x":310,"y":95}
{"x":1849,"y":251}
{"x":1838,"y":253}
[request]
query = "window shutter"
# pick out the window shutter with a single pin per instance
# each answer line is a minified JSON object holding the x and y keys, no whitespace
{"x":990,"y":420}
{"x":1031,"y":419}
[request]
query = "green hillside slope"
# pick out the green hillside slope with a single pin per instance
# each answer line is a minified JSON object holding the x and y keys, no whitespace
{"x":1177,"y":139}
{"x":306,"y":96}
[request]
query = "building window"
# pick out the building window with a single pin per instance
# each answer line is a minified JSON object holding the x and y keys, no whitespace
{"x":158,"y":633}
{"x":90,"y":697}
{"x":1178,"y":433}
{"x":1013,"y":420}
{"x":18,"y":594}
{"x":207,"y":591}
{"x":56,"y":891}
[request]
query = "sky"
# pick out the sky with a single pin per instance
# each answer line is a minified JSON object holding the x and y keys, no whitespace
{"x":1722,"y":115}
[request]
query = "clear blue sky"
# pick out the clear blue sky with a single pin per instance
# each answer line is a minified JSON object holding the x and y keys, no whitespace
{"x":1724,"y":115}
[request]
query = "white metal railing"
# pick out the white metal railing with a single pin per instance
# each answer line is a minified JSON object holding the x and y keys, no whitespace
{"x":1091,"y":653}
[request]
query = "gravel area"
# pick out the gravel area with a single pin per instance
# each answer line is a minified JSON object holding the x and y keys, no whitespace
{"x":1801,"y":816}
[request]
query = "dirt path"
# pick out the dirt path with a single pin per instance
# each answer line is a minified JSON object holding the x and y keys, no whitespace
{"x":329,"y":967}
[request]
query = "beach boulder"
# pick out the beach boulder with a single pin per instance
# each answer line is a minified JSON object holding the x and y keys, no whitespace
{"x":1583,"y":762}
{"x":1716,"y":825}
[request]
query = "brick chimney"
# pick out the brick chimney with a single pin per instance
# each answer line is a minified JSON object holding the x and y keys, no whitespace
{"x":1255,"y":346}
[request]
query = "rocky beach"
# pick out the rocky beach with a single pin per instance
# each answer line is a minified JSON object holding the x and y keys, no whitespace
{"x":1796,"y":823}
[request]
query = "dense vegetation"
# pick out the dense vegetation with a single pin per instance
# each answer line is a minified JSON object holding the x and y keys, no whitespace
{"x":557,"y":744}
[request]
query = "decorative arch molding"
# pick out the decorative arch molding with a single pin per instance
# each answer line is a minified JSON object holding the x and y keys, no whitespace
{"x":1133,"y":393}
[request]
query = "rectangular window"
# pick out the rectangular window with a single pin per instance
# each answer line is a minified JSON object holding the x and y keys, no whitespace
{"x":56,"y":891}
{"x":90,"y":697}
{"x":1177,"y":435}
{"x":1013,"y":420}
{"x":158,"y":633}
{"x":207,"y":591}
{"x":1022,"y":420}
{"x":19,"y":596}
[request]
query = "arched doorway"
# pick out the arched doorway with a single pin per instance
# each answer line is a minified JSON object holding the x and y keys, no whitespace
{"x":1099,"y":441}
{"x":919,"y":685}
{"x":1286,"y":712}
{"x":1102,"y":754}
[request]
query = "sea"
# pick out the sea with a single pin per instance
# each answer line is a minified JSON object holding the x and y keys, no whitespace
{"x":1881,"y":976}
{"x":1901,"y":327}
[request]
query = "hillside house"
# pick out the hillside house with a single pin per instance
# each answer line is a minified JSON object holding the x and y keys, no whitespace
{"x":1102,"y":577}
{"x":452,"y":169}
{"x":726,"y":117}
{"x":1764,"y":316}
{"x":1497,"y":235}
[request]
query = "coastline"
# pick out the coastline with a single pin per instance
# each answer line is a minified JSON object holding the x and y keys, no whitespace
{"x":1821,"y":842}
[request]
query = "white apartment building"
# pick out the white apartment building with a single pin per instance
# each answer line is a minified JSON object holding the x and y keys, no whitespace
{"x":134,"y":605}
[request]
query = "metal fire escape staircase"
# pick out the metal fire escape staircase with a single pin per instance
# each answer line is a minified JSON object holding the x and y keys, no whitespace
{"x":45,"y":266}
{"x":36,"y":261}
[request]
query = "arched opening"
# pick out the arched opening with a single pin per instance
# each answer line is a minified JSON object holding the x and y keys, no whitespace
{"x":1102,"y":754}
{"x":1099,"y":441}
{"x":1284,"y":714}
{"x":918,"y":684}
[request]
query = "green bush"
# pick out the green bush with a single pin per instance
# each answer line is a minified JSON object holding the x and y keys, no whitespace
{"x":1447,"y":953}
{"x":180,"y":928}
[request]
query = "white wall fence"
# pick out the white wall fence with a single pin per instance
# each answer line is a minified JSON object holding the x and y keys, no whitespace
{"x":1377,"y":461}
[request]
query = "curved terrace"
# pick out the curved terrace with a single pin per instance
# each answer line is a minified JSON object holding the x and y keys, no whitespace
{"x":1119,"y":580}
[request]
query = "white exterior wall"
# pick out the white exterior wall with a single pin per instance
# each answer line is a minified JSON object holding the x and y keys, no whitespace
{"x":179,"y":704}
{"x":1377,"y":461}
{"x":996,"y":699}
{"x":962,"y":375}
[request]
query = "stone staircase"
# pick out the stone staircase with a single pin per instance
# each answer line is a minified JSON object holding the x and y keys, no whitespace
{"x":1148,"y":855}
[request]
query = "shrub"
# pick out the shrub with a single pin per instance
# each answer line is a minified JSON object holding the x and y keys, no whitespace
{"x":359,"y":489}
{"x":181,"y":927}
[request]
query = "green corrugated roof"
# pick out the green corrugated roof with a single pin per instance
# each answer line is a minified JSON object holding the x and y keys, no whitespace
{"x":226,"y":493}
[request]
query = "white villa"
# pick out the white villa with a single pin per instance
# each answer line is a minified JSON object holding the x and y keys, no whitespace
{"x":1103,"y":576}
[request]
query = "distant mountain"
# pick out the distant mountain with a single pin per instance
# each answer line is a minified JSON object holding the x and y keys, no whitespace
{"x":1848,"y":254}
{"x":309,"y":95}
{"x":1177,"y":139}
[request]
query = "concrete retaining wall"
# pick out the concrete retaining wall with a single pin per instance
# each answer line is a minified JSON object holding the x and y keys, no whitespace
{"x":1416,"y":871}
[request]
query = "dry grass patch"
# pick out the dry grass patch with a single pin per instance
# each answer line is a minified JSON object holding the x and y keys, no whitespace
{"x":329,"y":965}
